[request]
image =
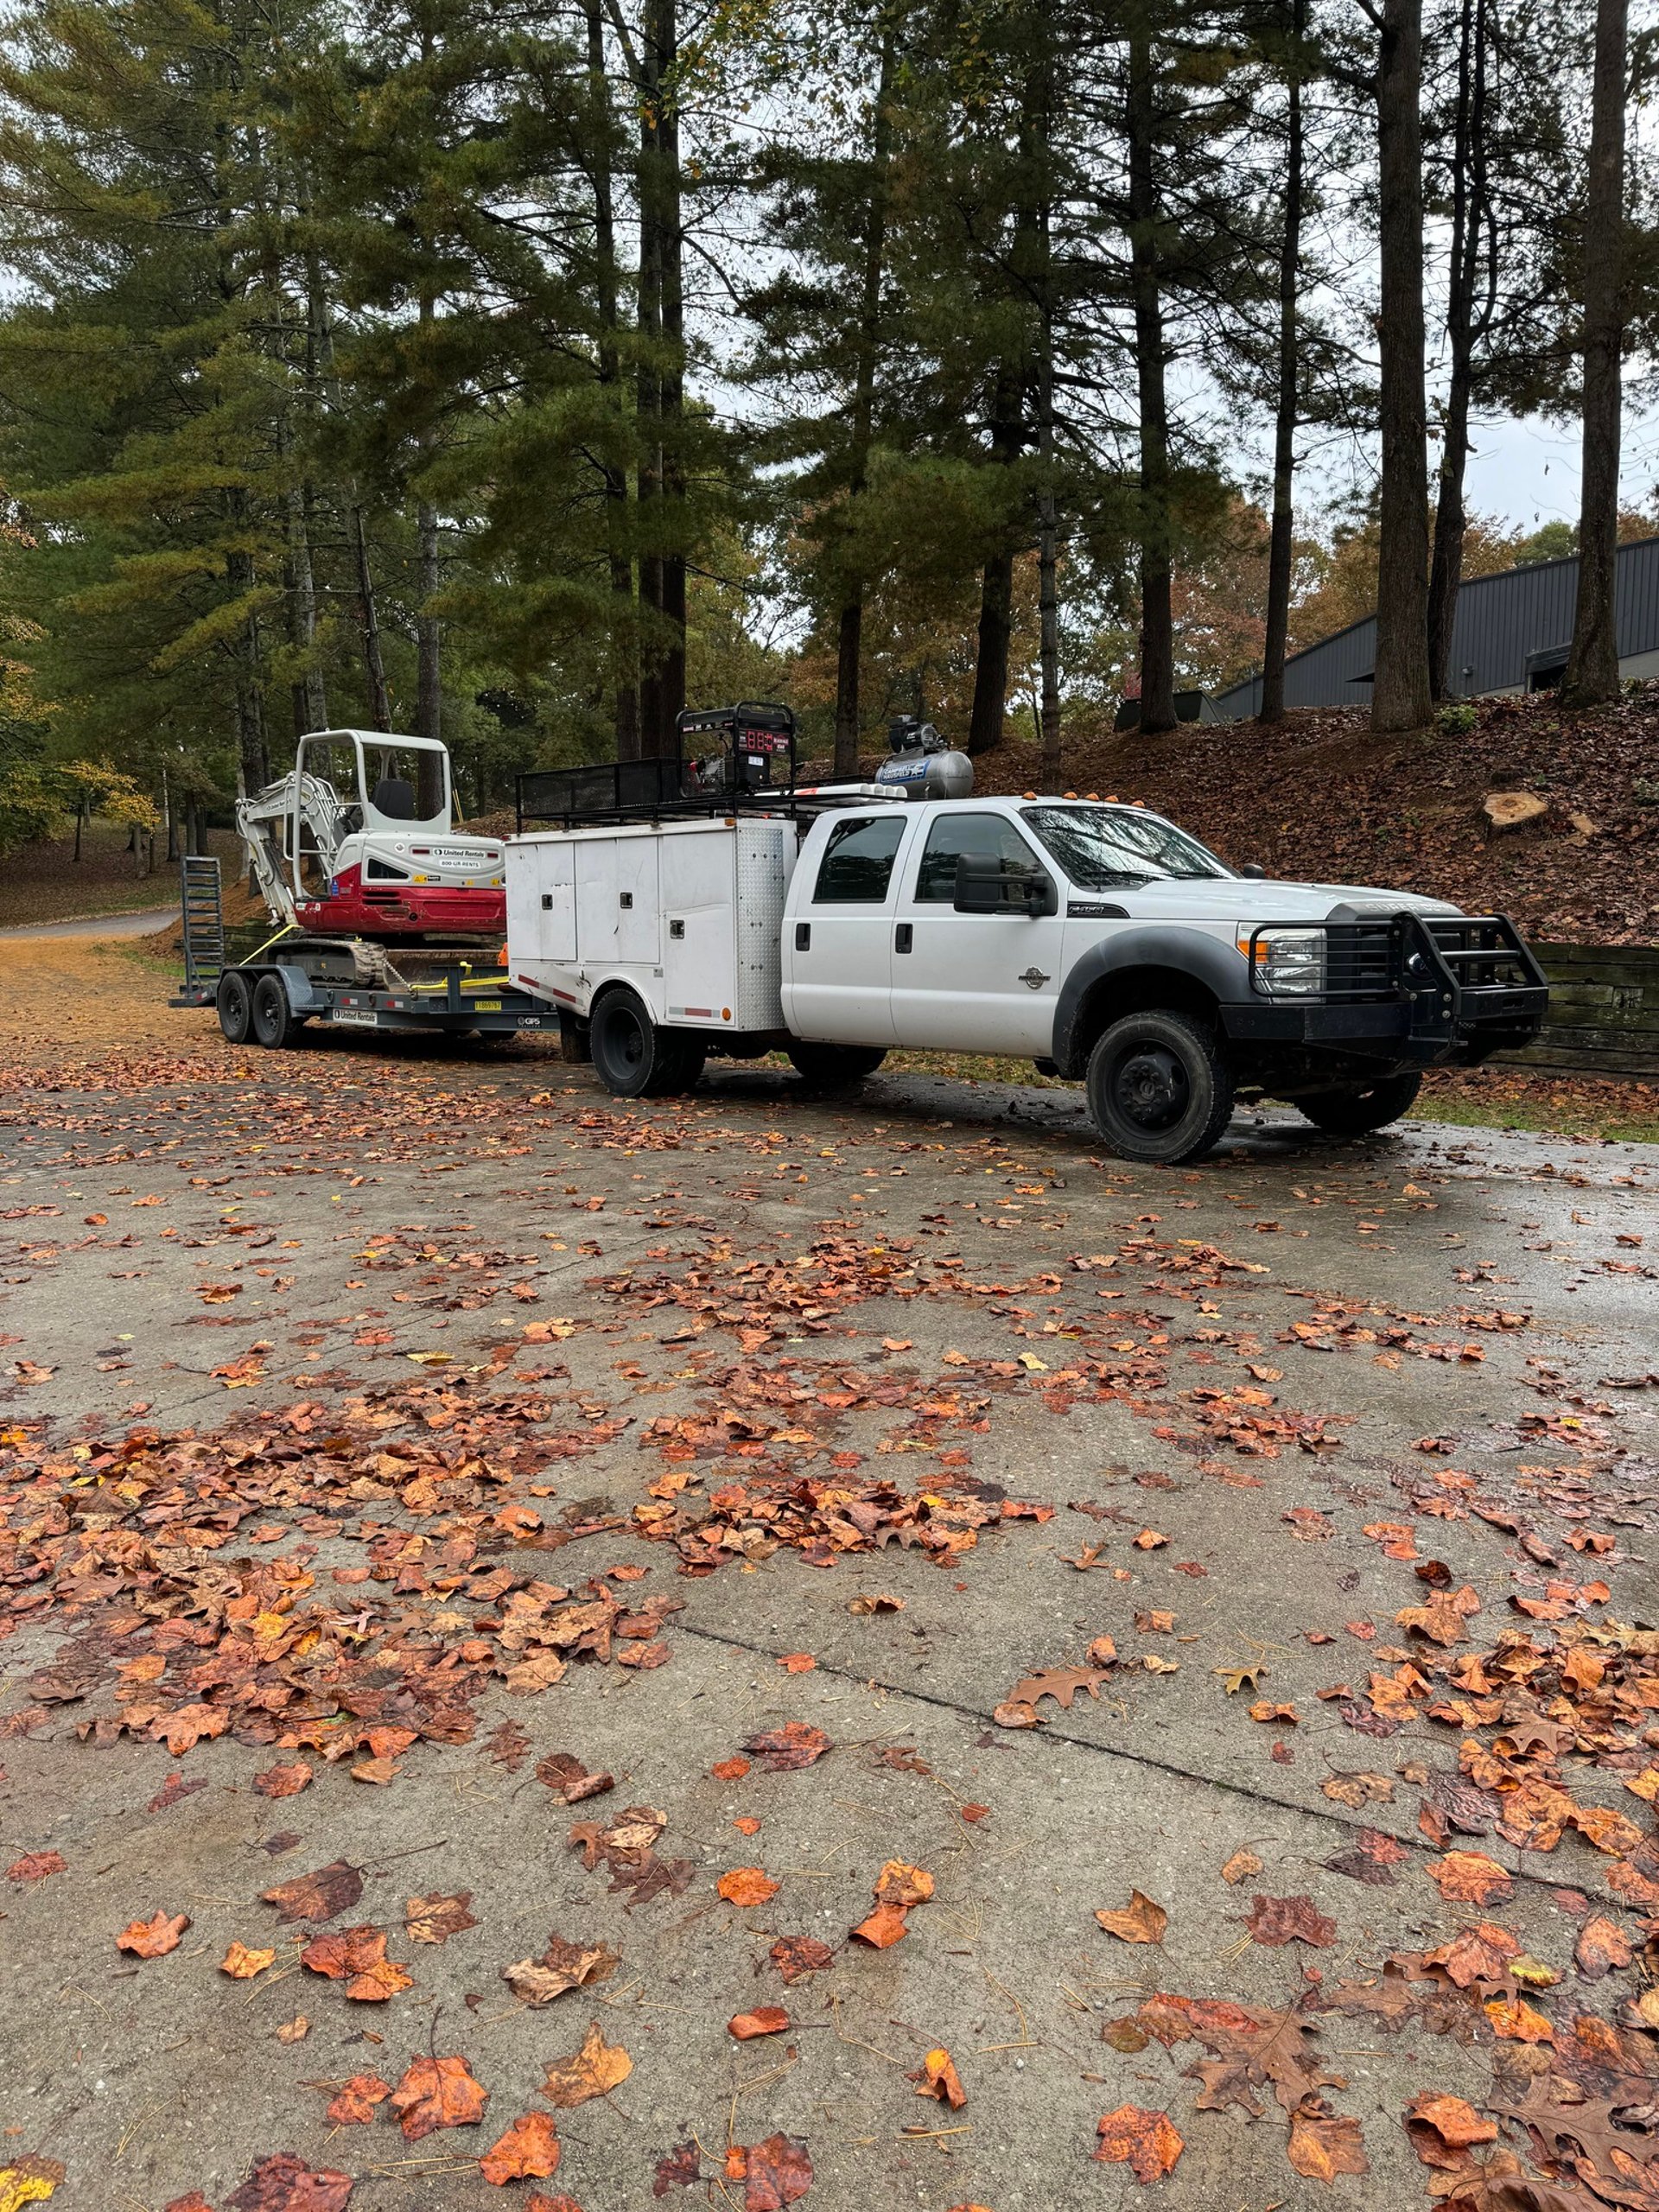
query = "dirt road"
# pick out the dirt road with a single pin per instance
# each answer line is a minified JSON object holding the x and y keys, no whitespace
{"x":409,"y":1442}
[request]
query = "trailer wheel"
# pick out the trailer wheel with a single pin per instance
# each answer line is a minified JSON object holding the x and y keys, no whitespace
{"x":274,"y":1022}
{"x":235,"y":1004}
{"x":1357,"y":1108}
{"x":1159,"y":1089}
{"x":634,"y":1058}
{"x":835,"y":1067}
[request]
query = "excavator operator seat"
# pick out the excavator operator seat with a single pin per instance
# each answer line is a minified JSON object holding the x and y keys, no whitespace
{"x":394,"y":796}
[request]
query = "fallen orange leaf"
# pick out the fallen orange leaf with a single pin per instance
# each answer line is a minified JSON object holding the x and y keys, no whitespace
{"x":747,"y":1886}
{"x":153,"y":1938}
{"x":937,"y":2076}
{"x":1140,"y":1921}
{"x":438,"y":2092}
{"x":594,"y":2071}
{"x":1470,"y":1877}
{"x":529,"y":2150}
{"x":764,"y":2020}
{"x":242,"y":1964}
{"x":355,"y":2103}
{"x":1146,"y":2142}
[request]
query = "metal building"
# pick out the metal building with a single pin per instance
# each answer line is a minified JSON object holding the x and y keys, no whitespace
{"x":1511,"y":634}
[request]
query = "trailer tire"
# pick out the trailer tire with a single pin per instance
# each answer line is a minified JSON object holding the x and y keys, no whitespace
{"x":835,"y":1067}
{"x":1159,"y":1088}
{"x":235,"y":1005}
{"x":275,"y":1024}
{"x":1357,"y":1108}
{"x":634,"y":1057}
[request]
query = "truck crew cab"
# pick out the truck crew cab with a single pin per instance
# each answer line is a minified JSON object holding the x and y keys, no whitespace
{"x":1094,"y":939}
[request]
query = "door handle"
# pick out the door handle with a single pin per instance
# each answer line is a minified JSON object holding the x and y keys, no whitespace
{"x":903,"y":937}
{"x":802,"y":936}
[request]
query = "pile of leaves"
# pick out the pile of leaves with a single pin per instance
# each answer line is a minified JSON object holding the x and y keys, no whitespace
{"x":172,"y":1642}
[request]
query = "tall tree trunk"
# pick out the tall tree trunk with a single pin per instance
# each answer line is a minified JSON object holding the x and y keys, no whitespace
{"x":252,"y":747}
{"x":368,"y":621}
{"x":321,"y":350}
{"x":849,"y":641}
{"x":987,"y":716}
{"x":672,"y":694}
{"x":310,"y":697}
{"x":625,"y":651}
{"x":428,"y":710}
{"x":1048,"y":520}
{"x":1399,"y":695}
{"x":1281,"y":541}
{"x":1157,"y":623}
{"x":1592,"y":664}
{"x":1469,"y":219}
{"x":648,"y":383}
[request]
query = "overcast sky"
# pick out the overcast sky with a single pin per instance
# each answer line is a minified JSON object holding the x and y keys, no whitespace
{"x":1528,"y":472}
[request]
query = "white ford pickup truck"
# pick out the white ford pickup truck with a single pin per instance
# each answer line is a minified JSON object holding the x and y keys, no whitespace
{"x":1096,"y":940}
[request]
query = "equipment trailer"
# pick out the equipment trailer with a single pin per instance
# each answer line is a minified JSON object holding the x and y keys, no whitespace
{"x":346,"y":983}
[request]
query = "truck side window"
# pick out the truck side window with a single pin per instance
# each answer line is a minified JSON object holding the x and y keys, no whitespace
{"x":990,"y":834}
{"x":857,"y":864}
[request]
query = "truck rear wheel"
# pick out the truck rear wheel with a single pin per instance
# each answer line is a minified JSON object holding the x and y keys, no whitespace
{"x":235,"y":1004}
{"x":835,"y":1067}
{"x":635,"y":1057}
{"x":1357,"y":1108}
{"x":1159,"y":1090}
{"x":275,"y":1025}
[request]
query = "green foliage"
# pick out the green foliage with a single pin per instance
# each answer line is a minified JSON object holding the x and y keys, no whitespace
{"x":1456,"y":718}
{"x":345,"y":343}
{"x":39,"y":799}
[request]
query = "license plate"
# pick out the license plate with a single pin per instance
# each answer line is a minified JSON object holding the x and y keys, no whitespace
{"x":487,"y":1006}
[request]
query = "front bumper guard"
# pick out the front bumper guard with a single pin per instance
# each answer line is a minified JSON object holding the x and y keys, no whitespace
{"x":1403,"y":987}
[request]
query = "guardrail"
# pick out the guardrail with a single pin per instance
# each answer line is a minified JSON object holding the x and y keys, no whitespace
{"x":1604,"y":1011}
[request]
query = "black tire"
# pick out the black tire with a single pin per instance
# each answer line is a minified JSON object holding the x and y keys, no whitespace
{"x":274,"y":1024}
{"x":1159,"y":1089}
{"x":1357,"y":1108}
{"x":835,"y":1067}
{"x":235,"y":1004}
{"x":634,"y":1058}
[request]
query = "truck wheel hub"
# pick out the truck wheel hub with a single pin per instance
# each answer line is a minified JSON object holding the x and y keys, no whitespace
{"x":1150,"y":1089}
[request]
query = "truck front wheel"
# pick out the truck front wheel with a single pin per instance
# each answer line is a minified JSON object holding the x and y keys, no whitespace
{"x":634,"y":1058}
{"x":1357,"y":1108}
{"x":1159,"y":1090}
{"x":835,"y":1067}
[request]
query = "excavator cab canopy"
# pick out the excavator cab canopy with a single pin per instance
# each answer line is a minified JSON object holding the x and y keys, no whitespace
{"x":368,"y":779}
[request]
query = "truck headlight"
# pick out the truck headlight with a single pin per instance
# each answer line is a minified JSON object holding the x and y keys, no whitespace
{"x":1288,"y":963}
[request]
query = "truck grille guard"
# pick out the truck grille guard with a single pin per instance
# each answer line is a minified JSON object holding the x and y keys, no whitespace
{"x":1460,"y":973}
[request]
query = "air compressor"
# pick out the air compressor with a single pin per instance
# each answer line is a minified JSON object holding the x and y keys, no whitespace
{"x":923,"y":763}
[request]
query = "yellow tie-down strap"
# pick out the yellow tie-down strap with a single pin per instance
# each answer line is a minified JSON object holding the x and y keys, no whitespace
{"x":468,"y":984}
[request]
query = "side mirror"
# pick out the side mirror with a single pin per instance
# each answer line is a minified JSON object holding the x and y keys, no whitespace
{"x":1255,"y":870}
{"x":985,"y":886}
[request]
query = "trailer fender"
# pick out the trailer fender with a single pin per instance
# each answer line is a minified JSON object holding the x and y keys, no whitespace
{"x":303,"y":997}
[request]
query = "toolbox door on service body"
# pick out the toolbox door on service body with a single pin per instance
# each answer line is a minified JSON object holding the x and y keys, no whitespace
{"x":974,"y":982}
{"x":837,"y":949}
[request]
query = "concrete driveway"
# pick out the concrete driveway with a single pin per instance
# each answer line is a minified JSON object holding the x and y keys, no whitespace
{"x":903,"y":1403}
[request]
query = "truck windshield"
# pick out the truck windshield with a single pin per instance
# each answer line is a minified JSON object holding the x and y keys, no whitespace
{"x":1099,"y":846}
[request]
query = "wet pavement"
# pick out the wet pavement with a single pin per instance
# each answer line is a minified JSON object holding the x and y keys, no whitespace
{"x":1261,"y":1397}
